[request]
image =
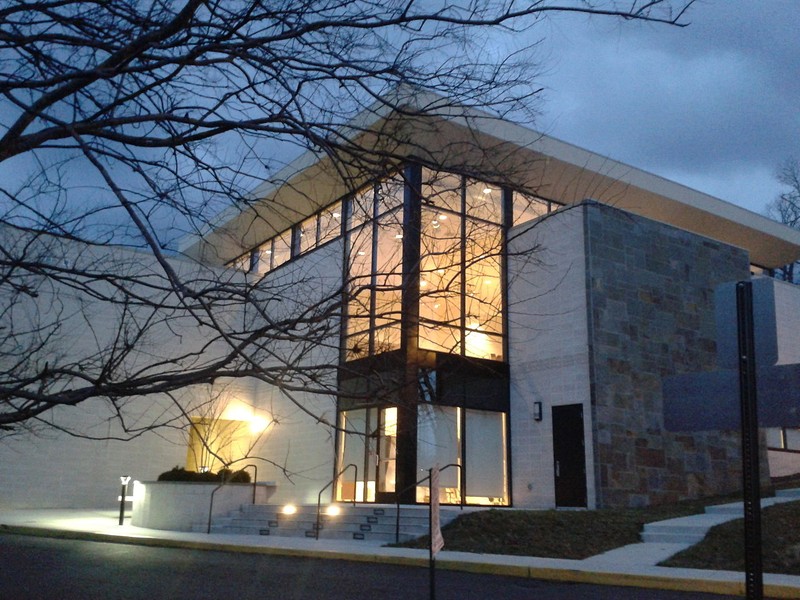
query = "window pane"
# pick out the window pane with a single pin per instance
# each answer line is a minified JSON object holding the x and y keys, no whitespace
{"x":387,"y":338}
{"x":527,"y":208}
{"x":390,"y":194}
{"x":352,"y":451}
{"x":484,"y":201}
{"x":485,"y":458}
{"x":330,"y":223}
{"x":360,"y":283}
{"x":282,"y":248}
{"x":263,"y":258}
{"x":357,"y":346}
{"x":483,"y":289}
{"x":440,"y":338}
{"x":483,"y":345}
{"x":440,"y":281}
{"x":438,"y":441}
{"x":307,"y":230}
{"x":243,"y":262}
{"x":358,"y":312}
{"x":442,"y":190}
{"x":361,"y":207}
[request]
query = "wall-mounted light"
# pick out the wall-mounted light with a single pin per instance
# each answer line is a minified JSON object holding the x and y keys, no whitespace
{"x":537,"y":411}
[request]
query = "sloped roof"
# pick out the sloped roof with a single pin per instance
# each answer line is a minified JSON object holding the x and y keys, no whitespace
{"x":461,"y":139}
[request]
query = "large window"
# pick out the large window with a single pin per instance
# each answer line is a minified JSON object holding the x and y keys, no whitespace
{"x":461,"y":292}
{"x":475,"y":440}
{"x":375,"y":266}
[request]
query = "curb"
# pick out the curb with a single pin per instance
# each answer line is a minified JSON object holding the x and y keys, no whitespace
{"x":682,"y":584}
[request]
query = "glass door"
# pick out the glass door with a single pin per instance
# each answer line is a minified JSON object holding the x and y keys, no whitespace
{"x":368,"y":439}
{"x":386,"y":458}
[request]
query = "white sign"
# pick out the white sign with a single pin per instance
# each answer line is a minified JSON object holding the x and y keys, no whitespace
{"x":437,"y":541}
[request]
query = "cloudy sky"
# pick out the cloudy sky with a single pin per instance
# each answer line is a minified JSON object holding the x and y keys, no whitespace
{"x":715,"y":105}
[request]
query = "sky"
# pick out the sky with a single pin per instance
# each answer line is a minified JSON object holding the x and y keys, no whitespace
{"x":714,"y":105}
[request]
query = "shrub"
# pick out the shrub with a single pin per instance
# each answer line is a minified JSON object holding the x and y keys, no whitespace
{"x":224,"y":475}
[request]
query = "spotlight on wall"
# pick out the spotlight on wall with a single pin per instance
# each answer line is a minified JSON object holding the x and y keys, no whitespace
{"x":289,"y":509}
{"x":537,"y":411}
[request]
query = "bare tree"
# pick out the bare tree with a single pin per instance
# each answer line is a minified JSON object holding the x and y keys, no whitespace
{"x":126,"y":125}
{"x":786,"y":209}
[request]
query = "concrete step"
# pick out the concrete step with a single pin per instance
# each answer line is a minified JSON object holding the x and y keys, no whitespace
{"x":692,"y":529}
{"x":793,"y":494}
{"x":683,"y":530}
{"x":361,"y":522}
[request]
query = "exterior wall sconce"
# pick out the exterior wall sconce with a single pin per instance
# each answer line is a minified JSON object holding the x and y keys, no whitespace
{"x":537,"y":411}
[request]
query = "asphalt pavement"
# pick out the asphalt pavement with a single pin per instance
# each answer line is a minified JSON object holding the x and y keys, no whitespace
{"x":633,"y":565}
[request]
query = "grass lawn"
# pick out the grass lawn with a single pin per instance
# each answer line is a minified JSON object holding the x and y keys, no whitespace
{"x":581,"y":534}
{"x":723,"y":547}
{"x":554,"y":534}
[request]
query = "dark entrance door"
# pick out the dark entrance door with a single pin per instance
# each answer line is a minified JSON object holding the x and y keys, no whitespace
{"x":569,"y":456}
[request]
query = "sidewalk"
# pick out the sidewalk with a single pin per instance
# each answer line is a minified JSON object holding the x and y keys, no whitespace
{"x":632,"y":565}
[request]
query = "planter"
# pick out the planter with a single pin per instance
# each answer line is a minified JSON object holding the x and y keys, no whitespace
{"x":178,"y":505}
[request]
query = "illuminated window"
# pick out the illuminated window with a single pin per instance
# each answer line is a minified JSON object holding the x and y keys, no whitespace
{"x":215,"y":443}
{"x":528,"y":208}
{"x":375,"y":253}
{"x":473,"y":439}
{"x":461,"y":291}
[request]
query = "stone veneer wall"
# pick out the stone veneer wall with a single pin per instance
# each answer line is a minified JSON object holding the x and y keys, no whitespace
{"x":650,"y":292}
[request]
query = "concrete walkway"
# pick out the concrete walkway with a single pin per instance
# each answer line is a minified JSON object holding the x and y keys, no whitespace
{"x":633,"y":565}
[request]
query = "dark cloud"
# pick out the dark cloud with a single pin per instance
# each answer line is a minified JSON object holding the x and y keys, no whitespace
{"x":713,"y":105}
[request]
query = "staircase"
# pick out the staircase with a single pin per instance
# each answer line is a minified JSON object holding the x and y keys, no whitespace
{"x":692,"y":529}
{"x":367,"y":522}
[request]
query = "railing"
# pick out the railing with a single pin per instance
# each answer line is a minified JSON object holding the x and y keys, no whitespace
{"x":211,"y":502}
{"x":415,"y":484}
{"x":329,"y":484}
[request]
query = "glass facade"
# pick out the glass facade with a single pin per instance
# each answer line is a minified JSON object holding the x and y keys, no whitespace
{"x":423,"y":281}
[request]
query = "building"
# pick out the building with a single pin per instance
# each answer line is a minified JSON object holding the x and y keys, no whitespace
{"x":499,"y":301}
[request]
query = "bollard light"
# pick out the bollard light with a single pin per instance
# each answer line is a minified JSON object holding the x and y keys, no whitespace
{"x":123,"y":480}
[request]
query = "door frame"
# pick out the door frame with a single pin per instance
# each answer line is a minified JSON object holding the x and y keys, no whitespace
{"x":569,"y":456}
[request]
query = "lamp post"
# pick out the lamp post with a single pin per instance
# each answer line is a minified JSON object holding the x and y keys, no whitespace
{"x":123,"y":480}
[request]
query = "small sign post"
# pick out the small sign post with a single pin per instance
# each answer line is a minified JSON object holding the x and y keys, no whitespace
{"x":437,"y":541}
{"x":766,"y":385}
{"x":754,"y":572}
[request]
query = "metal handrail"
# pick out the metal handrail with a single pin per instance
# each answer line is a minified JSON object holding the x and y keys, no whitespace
{"x":255,"y":478}
{"x":415,"y":484}
{"x":214,"y":491}
{"x":329,"y":484}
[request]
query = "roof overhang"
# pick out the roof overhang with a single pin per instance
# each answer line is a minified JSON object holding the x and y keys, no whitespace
{"x":428,"y":129}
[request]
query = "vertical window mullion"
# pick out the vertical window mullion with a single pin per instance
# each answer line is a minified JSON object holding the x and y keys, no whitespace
{"x":463,"y":268}
{"x":373,"y":281}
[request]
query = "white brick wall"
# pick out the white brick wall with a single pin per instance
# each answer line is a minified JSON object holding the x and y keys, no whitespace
{"x":548,"y":352}
{"x":47,"y":468}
